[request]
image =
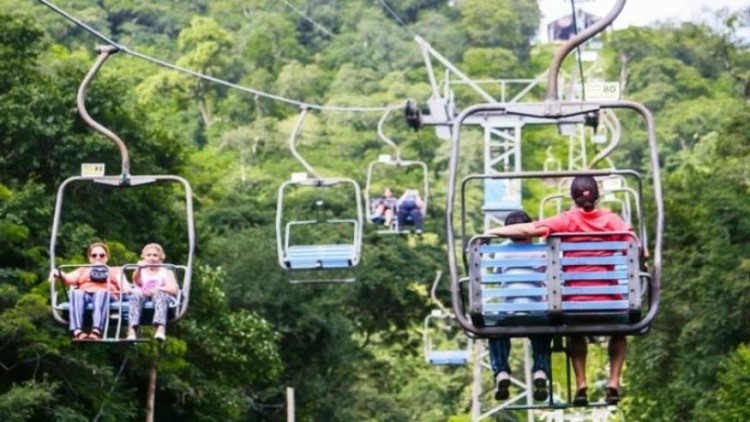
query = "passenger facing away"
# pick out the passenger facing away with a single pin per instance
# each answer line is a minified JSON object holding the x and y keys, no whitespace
{"x":384,"y":208}
{"x":98,"y":284}
{"x":154,"y":282}
{"x":410,"y":208}
{"x":584,"y":218}
{"x":540,"y":345}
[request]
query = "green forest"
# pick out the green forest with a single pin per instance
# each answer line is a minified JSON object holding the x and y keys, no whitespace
{"x":351,"y":351}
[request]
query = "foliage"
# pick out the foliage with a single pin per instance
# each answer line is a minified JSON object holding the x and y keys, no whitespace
{"x":350,"y":351}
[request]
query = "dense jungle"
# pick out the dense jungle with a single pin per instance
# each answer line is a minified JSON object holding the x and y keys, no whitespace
{"x":350,"y":351}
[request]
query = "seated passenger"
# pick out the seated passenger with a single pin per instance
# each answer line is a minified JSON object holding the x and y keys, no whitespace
{"x":499,"y":347}
{"x":584,"y":218}
{"x":152,"y":282}
{"x":97,"y":284}
{"x":384,"y":208}
{"x":410,"y":208}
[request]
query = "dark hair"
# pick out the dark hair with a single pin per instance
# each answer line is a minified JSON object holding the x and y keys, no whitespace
{"x":585,"y":192}
{"x":517,"y":217}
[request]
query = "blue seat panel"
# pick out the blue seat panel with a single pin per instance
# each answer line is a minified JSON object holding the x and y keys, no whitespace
{"x":494,"y":308}
{"x":513,"y":247}
{"x":535,"y":292}
{"x":514,"y":263}
{"x":595,"y":290}
{"x":448,"y":357}
{"x":593,"y":246}
{"x":594,"y":260}
{"x":596,"y":305}
{"x":595,"y":275}
{"x":514,"y":278}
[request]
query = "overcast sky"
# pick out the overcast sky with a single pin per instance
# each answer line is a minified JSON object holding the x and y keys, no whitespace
{"x":642,"y":12}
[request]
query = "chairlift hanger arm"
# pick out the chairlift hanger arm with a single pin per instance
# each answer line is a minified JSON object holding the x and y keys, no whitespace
{"x":293,"y":140}
{"x":613,"y":124}
{"x":386,"y":139}
{"x":433,"y":293}
{"x":573,"y":43}
{"x":104,"y":53}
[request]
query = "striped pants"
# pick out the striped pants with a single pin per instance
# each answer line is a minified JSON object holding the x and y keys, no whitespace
{"x":161,"y":306}
{"x":78,"y":301}
{"x":541,"y":349}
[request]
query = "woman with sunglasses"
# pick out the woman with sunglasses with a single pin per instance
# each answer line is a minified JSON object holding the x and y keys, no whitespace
{"x":95,"y":283}
{"x":155,"y":282}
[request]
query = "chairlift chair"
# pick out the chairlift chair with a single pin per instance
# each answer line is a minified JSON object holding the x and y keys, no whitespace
{"x":632,"y":316}
{"x":441,"y":356}
{"x":435,"y":356}
{"x":388,"y":162}
{"x":59,"y":305}
{"x":309,"y":255}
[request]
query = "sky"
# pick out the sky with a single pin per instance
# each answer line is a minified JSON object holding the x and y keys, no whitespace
{"x":642,"y":12}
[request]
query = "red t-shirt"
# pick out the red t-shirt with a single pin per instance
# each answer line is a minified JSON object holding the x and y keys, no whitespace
{"x":579,"y":221}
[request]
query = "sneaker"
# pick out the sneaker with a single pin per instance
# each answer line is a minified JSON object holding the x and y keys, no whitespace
{"x":161,"y":333}
{"x":540,"y":386}
{"x":131,"y":334}
{"x":503,"y":384}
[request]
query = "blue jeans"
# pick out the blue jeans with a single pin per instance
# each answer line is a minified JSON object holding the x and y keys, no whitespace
{"x":409,"y":210}
{"x":541,"y":350}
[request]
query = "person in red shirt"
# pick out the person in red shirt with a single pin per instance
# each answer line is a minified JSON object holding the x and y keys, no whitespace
{"x":583,"y":218}
{"x":97,"y":284}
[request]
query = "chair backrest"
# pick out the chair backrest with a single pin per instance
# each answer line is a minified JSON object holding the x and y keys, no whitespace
{"x":569,"y":275}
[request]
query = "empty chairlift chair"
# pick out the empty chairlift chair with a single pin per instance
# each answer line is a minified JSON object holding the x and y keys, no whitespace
{"x":312,"y":255}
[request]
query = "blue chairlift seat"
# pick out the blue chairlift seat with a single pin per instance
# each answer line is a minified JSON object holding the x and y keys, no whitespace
{"x":448,"y":357}
{"x":319,"y":256}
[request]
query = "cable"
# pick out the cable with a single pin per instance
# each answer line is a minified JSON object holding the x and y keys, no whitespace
{"x":199,"y":75}
{"x":114,"y":383}
{"x":307,"y":18}
{"x":578,"y":49}
{"x":397,"y":17}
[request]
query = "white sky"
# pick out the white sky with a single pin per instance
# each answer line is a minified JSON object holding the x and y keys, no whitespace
{"x":642,"y":12}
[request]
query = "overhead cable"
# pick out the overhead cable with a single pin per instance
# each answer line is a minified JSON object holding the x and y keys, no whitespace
{"x":309,"y":19}
{"x":578,"y":48}
{"x":210,"y":78}
{"x":397,"y":17}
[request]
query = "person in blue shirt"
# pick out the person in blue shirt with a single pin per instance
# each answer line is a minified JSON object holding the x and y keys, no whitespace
{"x":540,"y":345}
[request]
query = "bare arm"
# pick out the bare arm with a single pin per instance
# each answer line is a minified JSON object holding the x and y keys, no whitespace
{"x":518,"y":230}
{"x":69,"y":279}
{"x":170,"y":284}
{"x":137,"y":273}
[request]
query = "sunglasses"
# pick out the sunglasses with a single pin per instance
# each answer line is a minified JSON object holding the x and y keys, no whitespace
{"x":98,"y":255}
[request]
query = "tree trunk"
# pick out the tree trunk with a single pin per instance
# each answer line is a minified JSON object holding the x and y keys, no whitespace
{"x":623,"y":71}
{"x":151,"y":393}
{"x":204,"y":113}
